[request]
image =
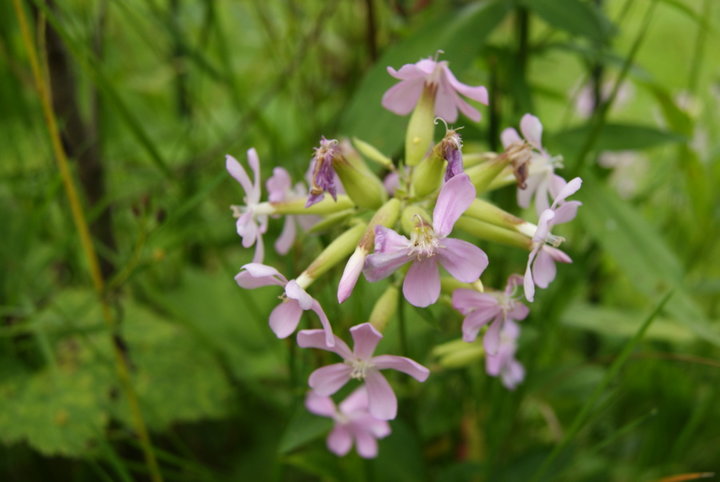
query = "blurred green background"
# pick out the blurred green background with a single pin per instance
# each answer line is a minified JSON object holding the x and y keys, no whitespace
{"x":150,"y":95}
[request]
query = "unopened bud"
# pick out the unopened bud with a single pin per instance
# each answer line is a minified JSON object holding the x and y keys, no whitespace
{"x":411,"y":216}
{"x":350,"y":275}
{"x":421,"y":127}
{"x":332,"y":255}
{"x":491,"y":232}
{"x":297,"y":206}
{"x":483,"y":174}
{"x":360,"y":183}
{"x":488,"y":212}
{"x":384,"y":309}
{"x":372,"y":153}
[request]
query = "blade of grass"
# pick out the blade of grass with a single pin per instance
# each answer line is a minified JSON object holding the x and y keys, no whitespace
{"x":612,"y":372}
{"x":78,"y":215}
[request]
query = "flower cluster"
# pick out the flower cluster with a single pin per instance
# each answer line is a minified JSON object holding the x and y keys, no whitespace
{"x":387,"y":233}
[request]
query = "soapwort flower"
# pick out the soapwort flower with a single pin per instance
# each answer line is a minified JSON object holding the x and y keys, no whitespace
{"x":503,"y":363}
{"x":250,"y":225}
{"x":496,"y":308}
{"x":429,"y":245}
{"x":360,"y":364}
{"x":353,"y":423}
{"x":280,"y":189}
{"x":437,"y":76}
{"x":285,"y":318}
{"x":540,"y":268}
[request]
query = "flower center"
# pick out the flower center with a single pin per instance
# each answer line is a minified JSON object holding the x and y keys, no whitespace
{"x":423,"y":241}
{"x":359,"y":368}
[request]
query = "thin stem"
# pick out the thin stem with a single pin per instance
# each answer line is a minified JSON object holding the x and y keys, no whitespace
{"x":121,"y":363}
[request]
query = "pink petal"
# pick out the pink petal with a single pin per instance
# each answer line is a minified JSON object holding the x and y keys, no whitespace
{"x":285,"y":241}
{"x":350,"y":275}
{"x":278,"y":185}
{"x":543,"y":270}
{"x":469,"y":111}
{"x":465,"y":261}
{"x":568,"y":190}
{"x":556,"y":184}
{"x":566,"y":212}
{"x":509,"y":136}
{"x":355,"y":402}
{"x":339,"y":441}
{"x":318,"y":339}
{"x":445,"y":106}
{"x":259,"y":255}
{"x":518,"y":312}
{"x":388,"y":241}
{"x":418,"y":70}
{"x":557,"y":255}
{"x":381,"y":265}
{"x":329,"y":379}
{"x":528,"y":283}
{"x":381,"y":398}
{"x":491,"y":341}
{"x":402,"y":97}
{"x":365,"y":444}
{"x":320,"y":405}
{"x":531,"y":186}
{"x":466,"y":301}
{"x":254,"y":161}
{"x":543,"y":226}
{"x":402,"y":364}
{"x":493,"y":364}
{"x":329,"y":336}
{"x":255,"y":275}
{"x":365,"y":338}
{"x":285,"y":317}
{"x":295,"y":292}
{"x":531,"y":127}
{"x":455,"y":197}
{"x":247,"y":229}
{"x":512,"y":374}
{"x":237,"y":171}
{"x":422,"y":283}
{"x":474,"y":321}
{"x":479,"y":93}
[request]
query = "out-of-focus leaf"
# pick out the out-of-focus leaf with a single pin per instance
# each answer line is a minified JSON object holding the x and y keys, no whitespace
{"x":302,"y":428}
{"x":678,"y":120}
{"x":683,"y":8}
{"x":639,"y":250}
{"x":573,"y":16}
{"x":460,"y":34}
{"x":400,"y":458}
{"x":613,"y":137}
{"x":618,"y":323}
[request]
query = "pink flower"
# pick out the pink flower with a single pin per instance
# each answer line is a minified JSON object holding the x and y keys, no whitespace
{"x":540,"y":268}
{"x":542,"y":183}
{"x":428,"y":246}
{"x":250,"y":225}
{"x":353,"y":423}
{"x":503,"y":363}
{"x":285,"y":318}
{"x":360,"y":365}
{"x":280,"y":189}
{"x":403,"y":96}
{"x":495,"y":308}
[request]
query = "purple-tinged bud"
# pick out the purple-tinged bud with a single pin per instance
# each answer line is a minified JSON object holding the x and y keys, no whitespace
{"x":350,"y":275}
{"x":322,"y":171}
{"x":451,"y":147}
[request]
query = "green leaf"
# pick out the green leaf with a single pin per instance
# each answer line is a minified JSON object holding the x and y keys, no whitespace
{"x":573,"y":16}
{"x":302,"y":428}
{"x":613,"y":137}
{"x":639,"y":250}
{"x":367,"y":119}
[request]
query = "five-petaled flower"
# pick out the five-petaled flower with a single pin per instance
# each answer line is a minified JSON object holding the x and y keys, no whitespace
{"x":285,"y":318}
{"x":428,"y":73}
{"x":429,"y":245}
{"x":353,"y":423}
{"x":541,"y":182}
{"x":540,"y":268}
{"x":496,"y":308}
{"x":360,"y":364}
{"x":250,"y":225}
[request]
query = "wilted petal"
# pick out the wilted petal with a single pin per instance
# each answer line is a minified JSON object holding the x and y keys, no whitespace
{"x":365,"y":338}
{"x":256,"y":275}
{"x":422,"y":283}
{"x":320,"y":405}
{"x":285,"y":317}
{"x":402,"y":364}
{"x":543,"y":269}
{"x":531,"y":128}
{"x":382,"y":401}
{"x":329,"y":379}
{"x":455,"y":197}
{"x":509,"y":136}
{"x":465,"y":261}
{"x":402,"y":97}
{"x":339,"y":441}
{"x":318,"y":339}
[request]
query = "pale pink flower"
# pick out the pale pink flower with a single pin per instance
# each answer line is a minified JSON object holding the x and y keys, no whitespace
{"x":429,"y":245}
{"x":285,"y":318}
{"x":542,"y":182}
{"x":250,"y":225}
{"x":540,"y":268}
{"x":494,"y":307}
{"x":403,"y":96}
{"x":280,"y":189}
{"x":353,"y":423}
{"x":360,"y":365}
{"x":503,"y":363}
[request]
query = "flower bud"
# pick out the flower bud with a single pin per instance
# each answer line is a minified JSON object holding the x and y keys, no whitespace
{"x":491,"y":232}
{"x":372,"y":153}
{"x":360,"y":183}
{"x":421,"y":127}
{"x":457,"y":353}
{"x":427,"y":175}
{"x":411,"y":215}
{"x":350,"y":275}
{"x":297,"y":206}
{"x":488,"y":212}
{"x":483,"y":174}
{"x":384,"y":309}
{"x":332,"y":255}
